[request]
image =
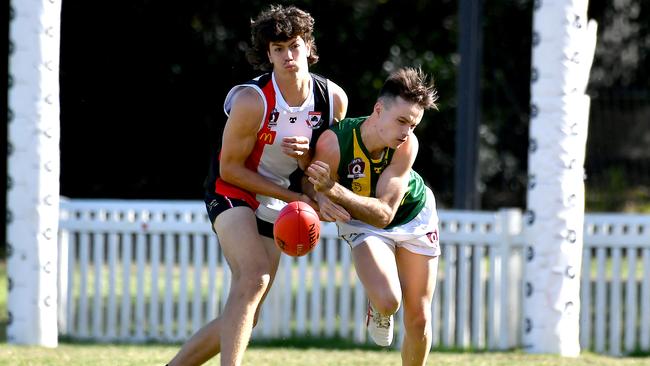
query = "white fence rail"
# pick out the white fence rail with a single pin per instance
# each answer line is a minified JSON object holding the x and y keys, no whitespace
{"x":152,"y":270}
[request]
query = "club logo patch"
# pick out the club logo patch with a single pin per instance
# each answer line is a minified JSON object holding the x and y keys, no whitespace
{"x":314,"y":120}
{"x":356,"y":168}
{"x":273,"y":118}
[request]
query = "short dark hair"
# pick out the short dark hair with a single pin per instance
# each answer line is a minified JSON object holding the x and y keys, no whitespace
{"x":279,"y":24}
{"x":412,"y":85}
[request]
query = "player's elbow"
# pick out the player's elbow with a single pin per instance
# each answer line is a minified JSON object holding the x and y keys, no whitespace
{"x":381,"y":224}
{"x":228,"y":173}
{"x":384,"y":219}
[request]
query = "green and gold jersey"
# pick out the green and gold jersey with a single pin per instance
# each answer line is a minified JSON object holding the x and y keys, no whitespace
{"x":360,"y":173}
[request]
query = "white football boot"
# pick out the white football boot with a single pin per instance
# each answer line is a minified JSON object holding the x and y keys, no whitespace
{"x":380,"y":327}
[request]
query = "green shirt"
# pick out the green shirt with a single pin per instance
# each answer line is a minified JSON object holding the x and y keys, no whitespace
{"x":360,"y":173}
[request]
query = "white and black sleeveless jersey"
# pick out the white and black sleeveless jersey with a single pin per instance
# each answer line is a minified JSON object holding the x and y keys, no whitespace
{"x":280,"y":120}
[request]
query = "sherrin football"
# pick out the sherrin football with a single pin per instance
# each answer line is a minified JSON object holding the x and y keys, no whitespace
{"x":297,"y":229}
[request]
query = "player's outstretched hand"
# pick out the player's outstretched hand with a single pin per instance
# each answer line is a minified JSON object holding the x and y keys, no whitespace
{"x":319,"y":175}
{"x":305,"y":198}
{"x":297,"y":147}
{"x":330,"y":211}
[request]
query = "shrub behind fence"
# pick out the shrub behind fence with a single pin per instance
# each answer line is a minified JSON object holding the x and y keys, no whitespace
{"x":152,"y":270}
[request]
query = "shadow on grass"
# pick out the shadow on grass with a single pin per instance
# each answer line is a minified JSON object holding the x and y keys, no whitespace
{"x":313,"y":342}
{"x":295,"y":342}
{"x":3,"y":331}
{"x":639,"y":353}
{"x":345,"y":344}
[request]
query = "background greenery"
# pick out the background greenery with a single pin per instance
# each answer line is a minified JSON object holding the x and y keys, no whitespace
{"x":143,"y":83}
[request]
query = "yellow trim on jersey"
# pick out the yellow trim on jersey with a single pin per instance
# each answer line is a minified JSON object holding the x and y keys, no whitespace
{"x":362,"y":184}
{"x":404,"y":198}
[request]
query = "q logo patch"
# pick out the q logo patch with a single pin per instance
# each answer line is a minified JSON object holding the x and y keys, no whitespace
{"x":356,"y":168}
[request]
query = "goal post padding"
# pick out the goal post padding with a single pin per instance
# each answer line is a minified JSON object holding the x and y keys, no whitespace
{"x":33,"y":172}
{"x":562,"y":53}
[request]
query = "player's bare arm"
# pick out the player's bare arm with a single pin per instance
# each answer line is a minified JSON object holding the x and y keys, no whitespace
{"x":391,"y":187}
{"x":330,"y":212}
{"x":239,"y":137}
{"x":298,"y":146}
{"x":326,"y":150}
{"x":340,"y":102}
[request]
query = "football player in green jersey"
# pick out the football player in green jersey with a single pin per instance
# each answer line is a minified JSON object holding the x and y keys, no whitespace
{"x":364,"y":166}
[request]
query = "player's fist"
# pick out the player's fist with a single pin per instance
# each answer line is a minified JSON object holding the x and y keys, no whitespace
{"x":297,"y":147}
{"x":319,"y":175}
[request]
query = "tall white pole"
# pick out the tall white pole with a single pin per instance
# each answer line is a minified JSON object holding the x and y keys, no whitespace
{"x":33,"y":172}
{"x":563,"y":49}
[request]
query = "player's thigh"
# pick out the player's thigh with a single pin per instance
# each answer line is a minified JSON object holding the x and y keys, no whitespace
{"x":374,"y":262}
{"x":417,"y":275}
{"x":272,"y":253}
{"x":274,"y":261}
{"x":240,"y":241}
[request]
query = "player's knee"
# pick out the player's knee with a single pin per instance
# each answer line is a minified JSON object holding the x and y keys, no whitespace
{"x":255,"y":281}
{"x":387,"y":305}
{"x":417,"y":322}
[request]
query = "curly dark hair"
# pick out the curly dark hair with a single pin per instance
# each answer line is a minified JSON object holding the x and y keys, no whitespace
{"x":412,"y":85}
{"x":279,"y":24}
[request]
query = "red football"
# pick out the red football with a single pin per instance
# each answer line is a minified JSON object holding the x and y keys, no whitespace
{"x":297,"y":229}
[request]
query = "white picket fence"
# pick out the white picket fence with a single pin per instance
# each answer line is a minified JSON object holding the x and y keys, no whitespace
{"x":135,"y":271}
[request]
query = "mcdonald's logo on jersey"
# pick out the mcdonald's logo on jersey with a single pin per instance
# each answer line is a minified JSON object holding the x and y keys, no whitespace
{"x":266,"y":137}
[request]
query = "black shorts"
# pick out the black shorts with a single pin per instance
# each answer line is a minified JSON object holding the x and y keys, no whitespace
{"x":216,"y":204}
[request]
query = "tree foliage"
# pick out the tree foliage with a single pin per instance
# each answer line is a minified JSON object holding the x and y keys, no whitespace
{"x":143,"y":83}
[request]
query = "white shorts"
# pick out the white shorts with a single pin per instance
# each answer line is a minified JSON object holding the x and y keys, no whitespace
{"x":420,"y":235}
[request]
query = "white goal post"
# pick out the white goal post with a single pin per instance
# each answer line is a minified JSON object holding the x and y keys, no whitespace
{"x":33,"y":172}
{"x":563,"y":46}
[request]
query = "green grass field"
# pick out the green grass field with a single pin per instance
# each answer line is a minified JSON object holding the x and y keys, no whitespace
{"x":257,"y":355}
{"x":289,"y":352}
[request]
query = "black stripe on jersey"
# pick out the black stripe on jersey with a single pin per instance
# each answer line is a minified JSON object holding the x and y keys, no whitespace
{"x":322,"y":104}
